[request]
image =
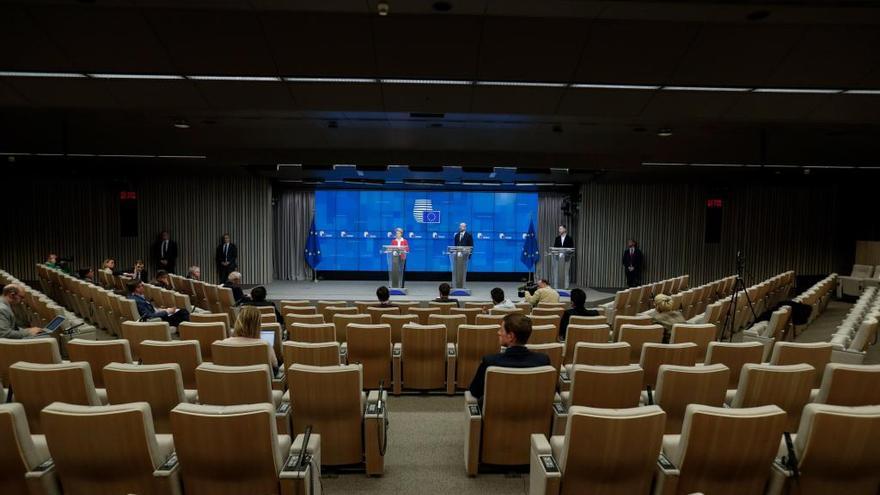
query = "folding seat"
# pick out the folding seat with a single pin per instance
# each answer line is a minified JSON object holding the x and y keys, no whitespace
{"x":517,"y":403}
{"x":424,"y":314}
{"x":489,"y":319}
{"x":245,"y":354}
{"x":584,"y":333}
{"x":99,"y":353}
{"x":204,"y":333}
{"x":544,"y":334}
{"x":857,"y":350}
{"x":505,"y":312}
{"x":445,"y":307}
{"x":27,"y":465}
{"x":41,"y":351}
{"x":342,"y":321}
{"x":734,"y":355}
{"x":720,"y":451}
{"x":655,"y":355}
{"x":611,"y":387}
{"x":238,"y":450}
{"x":421,"y":361}
{"x":700,"y":334}
{"x":637,"y":336}
{"x":451,"y":322}
{"x":312,"y":332}
{"x":230,"y":385}
{"x":850,"y":385}
{"x":159,"y":385}
{"x":137,"y":331}
{"x":351,"y":422}
{"x":552,"y":350}
{"x":370,"y":345}
{"x":312,"y":319}
{"x":38,"y":385}
{"x":768,"y":332}
{"x":483,"y":305}
{"x":469,"y":313}
{"x":126,"y":457}
{"x":330,"y":312}
{"x":397,"y":322}
{"x":547,"y":311}
{"x":311,"y":353}
{"x":546,"y":320}
{"x":587,"y":320}
{"x":377,"y":312}
{"x":407,"y":306}
{"x":628,"y":320}
{"x":787,"y":387}
{"x":474,"y":342}
{"x":619,"y":460}
{"x":816,"y":354}
{"x":838,"y":451}
{"x":186,"y":354}
{"x":678,"y":386}
{"x":323,"y":304}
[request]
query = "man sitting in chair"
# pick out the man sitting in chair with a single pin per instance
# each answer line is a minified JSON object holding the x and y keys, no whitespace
{"x":544,"y":293}
{"x":384,"y":296}
{"x":514,"y":335}
{"x":173,"y":316}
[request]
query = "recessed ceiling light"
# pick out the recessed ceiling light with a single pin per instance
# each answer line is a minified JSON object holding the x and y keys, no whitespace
{"x":235,"y":78}
{"x":614,"y":86}
{"x":527,"y":84}
{"x":720,"y":89}
{"x":382,"y":8}
{"x":181,"y":124}
{"x":342,"y":80}
{"x":62,"y":75}
{"x":136,"y":76}
{"x":664,"y":132}
{"x":436,"y":82}
{"x":798,"y":91}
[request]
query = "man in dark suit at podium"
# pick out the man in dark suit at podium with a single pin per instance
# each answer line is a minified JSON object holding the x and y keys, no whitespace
{"x":563,"y":240}
{"x":463,"y":237}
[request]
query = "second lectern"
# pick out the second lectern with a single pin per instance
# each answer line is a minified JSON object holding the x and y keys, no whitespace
{"x":560,"y":267}
{"x":396,"y":256}
{"x":458,"y":264}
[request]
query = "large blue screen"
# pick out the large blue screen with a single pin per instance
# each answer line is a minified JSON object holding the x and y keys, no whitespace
{"x":353,"y":226}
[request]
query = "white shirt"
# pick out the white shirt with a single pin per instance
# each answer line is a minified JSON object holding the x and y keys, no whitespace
{"x":562,"y":239}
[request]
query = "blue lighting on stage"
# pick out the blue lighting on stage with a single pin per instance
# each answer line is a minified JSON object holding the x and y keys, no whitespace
{"x":353,"y":225}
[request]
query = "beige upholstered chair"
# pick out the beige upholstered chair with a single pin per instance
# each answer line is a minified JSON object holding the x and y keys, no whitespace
{"x":159,"y":385}
{"x":363,"y":305}
{"x":376,"y":313}
{"x":720,"y":451}
{"x":619,"y":460}
{"x":296,"y":302}
{"x":451,"y":322}
{"x":734,"y":355}
{"x":787,"y":387}
{"x":838,"y":451}
{"x":584,"y":333}
{"x":235,"y":449}
{"x":505,"y":312}
{"x":351,"y":423}
{"x":246,"y":354}
{"x":609,"y":387}
{"x":548,"y":311}
{"x":421,"y":360}
{"x":424,"y":313}
{"x":701,"y":334}
{"x":489,"y":319}
{"x":341,"y":321}
{"x":469,"y":313}
{"x":230,"y":385}
{"x":445,"y":307}
{"x":474,"y":342}
{"x":621,"y":320}
{"x":211,"y":318}
{"x":483,"y":305}
{"x":678,"y":386}
{"x":370,"y":345}
{"x":397,"y":322}
{"x":602,"y":354}
{"x":517,"y":403}
{"x":544,"y":334}
{"x":638,"y":335}
{"x":330,"y":311}
{"x":205,"y":333}
{"x":539,"y":320}
{"x":588,"y":320}
{"x":311,"y":353}
{"x":312,"y":332}
{"x":38,"y":385}
{"x":553,"y":350}
{"x":23,"y":454}
{"x":406,"y":306}
{"x":287,"y":309}
{"x":99,"y":353}
{"x":323,"y":304}
{"x":850,"y":385}
{"x":126,"y":457}
{"x":816,"y":354}
{"x":137,"y":331}
{"x":655,"y":355}
{"x":310,"y":318}
{"x":184,"y":353}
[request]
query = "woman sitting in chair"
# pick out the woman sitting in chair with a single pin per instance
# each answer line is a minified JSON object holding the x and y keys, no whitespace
{"x":667,"y":314}
{"x":247,"y":330}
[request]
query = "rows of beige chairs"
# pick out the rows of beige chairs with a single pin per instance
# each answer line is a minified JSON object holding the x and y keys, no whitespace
{"x":694,"y":301}
{"x":853,"y":335}
{"x":861,"y":277}
{"x":634,"y":300}
{"x":39,"y":309}
{"x":818,"y":296}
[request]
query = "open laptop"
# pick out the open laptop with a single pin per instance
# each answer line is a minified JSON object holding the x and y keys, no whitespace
{"x":53,"y":326}
{"x":268,"y":336}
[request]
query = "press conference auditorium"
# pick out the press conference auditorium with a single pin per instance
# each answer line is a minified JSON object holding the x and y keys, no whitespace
{"x":439,"y":247}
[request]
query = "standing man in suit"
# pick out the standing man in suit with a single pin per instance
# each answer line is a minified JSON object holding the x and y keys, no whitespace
{"x":632,"y":263}
{"x":514,"y":335}
{"x":563,"y":240}
{"x":165,"y":252}
{"x":463,"y":237}
{"x":226,"y":257}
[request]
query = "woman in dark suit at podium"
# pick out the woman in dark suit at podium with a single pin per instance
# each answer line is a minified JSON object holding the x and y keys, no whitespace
{"x":400,"y":241}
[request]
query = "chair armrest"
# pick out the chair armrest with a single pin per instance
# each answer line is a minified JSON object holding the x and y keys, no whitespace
{"x":560,"y":415}
{"x":470,"y":399}
{"x":779,"y":478}
{"x":451,"y":358}
{"x":847,"y":356}
{"x":43,"y":479}
{"x":375,"y":436}
{"x":302,"y":478}
{"x":343,"y":353}
{"x":544,"y":472}
{"x":473,"y":434}
{"x":396,"y":371}
{"x":667,"y":476}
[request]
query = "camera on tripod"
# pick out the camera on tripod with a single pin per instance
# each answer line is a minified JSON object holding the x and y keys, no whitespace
{"x":530,"y":288}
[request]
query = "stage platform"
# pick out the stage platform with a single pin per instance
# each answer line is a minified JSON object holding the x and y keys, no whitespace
{"x":365,"y":290}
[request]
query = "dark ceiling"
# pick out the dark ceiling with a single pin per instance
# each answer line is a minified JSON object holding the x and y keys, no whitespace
{"x":731,"y":44}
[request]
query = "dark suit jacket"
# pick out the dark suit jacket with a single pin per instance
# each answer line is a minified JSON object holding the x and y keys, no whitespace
{"x":463,"y":240}
{"x":515,"y":357}
{"x":457,"y":304}
{"x":563,"y":324}
{"x":238,"y":294}
{"x":143,"y":276}
{"x":635,"y":259}
{"x":231,"y":256}
{"x":146,"y":308}
{"x":170,"y":255}
{"x":569,"y":242}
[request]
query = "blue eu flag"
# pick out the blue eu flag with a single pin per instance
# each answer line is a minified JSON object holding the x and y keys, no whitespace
{"x":530,"y":252}
{"x":313,"y":247}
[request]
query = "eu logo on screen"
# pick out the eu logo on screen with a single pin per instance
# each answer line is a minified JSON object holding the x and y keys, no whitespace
{"x":431,"y":216}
